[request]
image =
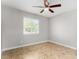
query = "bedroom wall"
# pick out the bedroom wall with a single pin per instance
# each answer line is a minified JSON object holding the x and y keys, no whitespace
{"x":12,"y":28}
{"x":63,"y":29}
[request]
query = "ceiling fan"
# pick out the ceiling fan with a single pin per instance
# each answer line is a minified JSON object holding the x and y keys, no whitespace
{"x":47,"y":6}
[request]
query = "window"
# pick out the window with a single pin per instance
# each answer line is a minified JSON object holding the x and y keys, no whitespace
{"x":31,"y":26}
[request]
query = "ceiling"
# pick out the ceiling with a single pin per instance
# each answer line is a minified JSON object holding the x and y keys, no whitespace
{"x":26,"y":5}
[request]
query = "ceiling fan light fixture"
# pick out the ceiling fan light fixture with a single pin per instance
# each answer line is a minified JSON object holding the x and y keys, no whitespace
{"x":46,"y":9}
{"x":47,"y":6}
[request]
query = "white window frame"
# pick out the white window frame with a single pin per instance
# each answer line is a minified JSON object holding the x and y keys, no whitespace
{"x":30,"y":32}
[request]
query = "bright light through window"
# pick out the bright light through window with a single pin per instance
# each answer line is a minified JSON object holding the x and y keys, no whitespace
{"x":31,"y":26}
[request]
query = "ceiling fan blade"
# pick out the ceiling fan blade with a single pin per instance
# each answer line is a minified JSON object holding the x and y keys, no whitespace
{"x":51,"y":11}
{"x":57,"y":5}
{"x":42,"y":11}
{"x":39,"y":6}
{"x":46,"y":3}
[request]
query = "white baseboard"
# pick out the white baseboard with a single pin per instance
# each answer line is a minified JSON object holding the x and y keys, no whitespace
{"x":63,"y":45}
{"x":38,"y":43}
{"x":24,"y":45}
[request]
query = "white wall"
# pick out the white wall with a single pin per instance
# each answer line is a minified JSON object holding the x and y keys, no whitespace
{"x":63,"y":28}
{"x":12,"y":28}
